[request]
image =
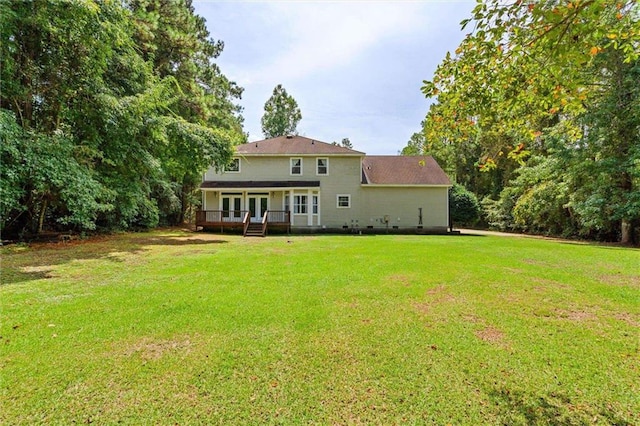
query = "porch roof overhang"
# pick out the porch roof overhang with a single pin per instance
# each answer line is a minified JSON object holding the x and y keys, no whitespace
{"x":258,"y":184}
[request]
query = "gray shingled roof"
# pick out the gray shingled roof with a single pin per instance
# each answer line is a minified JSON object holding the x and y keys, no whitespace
{"x":402,"y":170}
{"x":293,"y":145}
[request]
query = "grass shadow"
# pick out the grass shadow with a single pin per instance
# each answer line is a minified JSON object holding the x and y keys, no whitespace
{"x":608,"y":246}
{"x":22,"y":263}
{"x":171,"y":241}
{"x":554,"y":409}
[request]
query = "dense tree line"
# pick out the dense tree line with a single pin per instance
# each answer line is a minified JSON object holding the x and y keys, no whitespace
{"x":538,"y":114}
{"x":109,"y":113}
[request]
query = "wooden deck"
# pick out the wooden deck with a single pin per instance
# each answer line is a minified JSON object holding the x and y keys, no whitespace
{"x":234,"y":219}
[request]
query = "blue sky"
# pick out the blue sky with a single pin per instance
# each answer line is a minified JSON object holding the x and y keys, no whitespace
{"x":354,"y":67}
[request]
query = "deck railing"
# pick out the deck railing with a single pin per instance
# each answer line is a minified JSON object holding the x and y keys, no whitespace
{"x":241,"y":218}
{"x":264,"y":223}
{"x":220,"y":217}
{"x":278,"y":216}
{"x":245,"y":223}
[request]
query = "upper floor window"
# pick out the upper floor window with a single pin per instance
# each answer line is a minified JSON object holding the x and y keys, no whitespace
{"x":233,"y":166}
{"x":322,"y":166}
{"x":296,"y":166}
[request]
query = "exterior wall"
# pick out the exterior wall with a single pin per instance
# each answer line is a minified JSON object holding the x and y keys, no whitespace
{"x":401,"y":204}
{"x":210,"y":201}
{"x":279,"y":168}
{"x":369,"y":205}
{"x":344,"y":177}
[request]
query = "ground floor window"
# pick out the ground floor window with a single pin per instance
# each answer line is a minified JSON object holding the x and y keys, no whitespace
{"x":343,"y":201}
{"x":315,"y":204}
{"x":300,"y":204}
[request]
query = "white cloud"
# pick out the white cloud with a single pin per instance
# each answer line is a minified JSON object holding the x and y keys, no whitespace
{"x":354,"y":67}
{"x":328,"y":35}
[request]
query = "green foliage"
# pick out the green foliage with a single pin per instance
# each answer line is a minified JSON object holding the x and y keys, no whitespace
{"x":346,"y":143}
{"x":416,"y":145}
{"x":464,"y":207}
{"x":43,"y":173}
{"x":529,"y":74}
{"x":281,"y":114}
{"x":122,"y":106}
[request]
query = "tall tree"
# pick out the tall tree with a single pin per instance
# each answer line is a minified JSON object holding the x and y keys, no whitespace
{"x":176,"y":41}
{"x":346,"y":143}
{"x":530,"y":73}
{"x":281,"y":114}
{"x":100,"y":126}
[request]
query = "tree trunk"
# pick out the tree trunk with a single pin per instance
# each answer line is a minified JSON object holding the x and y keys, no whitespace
{"x":183,"y":204}
{"x":626,"y":237}
{"x":41,"y":218}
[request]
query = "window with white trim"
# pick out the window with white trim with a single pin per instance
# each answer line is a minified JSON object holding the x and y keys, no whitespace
{"x":343,"y":201}
{"x":314,"y":203}
{"x":300,"y":204}
{"x":322,"y":166}
{"x":296,"y":166}
{"x":233,"y":166}
{"x":286,"y":203}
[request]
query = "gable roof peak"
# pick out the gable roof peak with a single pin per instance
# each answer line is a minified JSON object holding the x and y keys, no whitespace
{"x":293,"y":145}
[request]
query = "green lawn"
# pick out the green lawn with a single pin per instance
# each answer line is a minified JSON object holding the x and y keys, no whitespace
{"x":172,"y":327}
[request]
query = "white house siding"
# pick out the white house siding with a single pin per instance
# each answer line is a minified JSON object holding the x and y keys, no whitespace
{"x":210,"y":201}
{"x":369,"y":204}
{"x":401,"y":205}
{"x":276,"y":168}
{"x":344,"y":177}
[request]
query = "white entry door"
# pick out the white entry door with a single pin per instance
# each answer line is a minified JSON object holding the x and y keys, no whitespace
{"x":258,"y":204}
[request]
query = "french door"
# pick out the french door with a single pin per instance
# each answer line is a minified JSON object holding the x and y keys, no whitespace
{"x":258,"y":205}
{"x":231,"y":207}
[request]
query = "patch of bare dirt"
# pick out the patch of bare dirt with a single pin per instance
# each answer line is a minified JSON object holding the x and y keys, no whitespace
{"x":632,"y":281}
{"x":547,"y":283}
{"x":536,"y":262}
{"x":576,"y":315}
{"x":401,"y":279}
{"x":487,"y":333}
{"x":192,"y":252}
{"x":631,"y":319}
{"x":434,"y":296}
{"x":491,"y":335}
{"x":472,"y":319}
{"x":152,"y":350}
{"x":44,"y":271}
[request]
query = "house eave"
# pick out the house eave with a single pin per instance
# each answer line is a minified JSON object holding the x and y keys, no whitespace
{"x":256,"y":186}
{"x":404,"y":185}
{"x":294,"y":154}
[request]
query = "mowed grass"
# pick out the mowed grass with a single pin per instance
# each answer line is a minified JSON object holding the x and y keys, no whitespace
{"x":172,"y":327}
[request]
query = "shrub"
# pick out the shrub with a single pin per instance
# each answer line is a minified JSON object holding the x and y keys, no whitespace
{"x":463,"y":206}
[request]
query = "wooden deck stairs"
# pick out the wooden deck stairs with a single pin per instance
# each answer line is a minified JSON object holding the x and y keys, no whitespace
{"x":254,"y":230}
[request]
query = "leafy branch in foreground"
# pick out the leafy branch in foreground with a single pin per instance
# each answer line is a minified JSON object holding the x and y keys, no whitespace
{"x":529,"y":69}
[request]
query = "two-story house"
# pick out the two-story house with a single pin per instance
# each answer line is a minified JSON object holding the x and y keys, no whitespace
{"x":304,"y":184}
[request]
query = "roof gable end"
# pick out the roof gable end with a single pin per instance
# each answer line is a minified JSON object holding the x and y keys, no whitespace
{"x":293,"y":145}
{"x":402,"y":170}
